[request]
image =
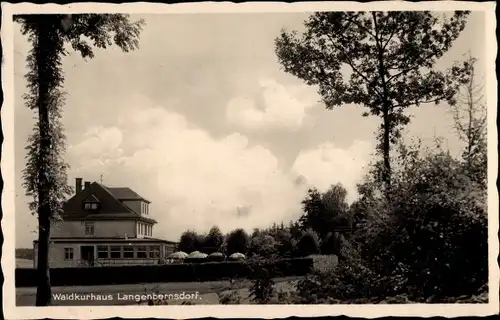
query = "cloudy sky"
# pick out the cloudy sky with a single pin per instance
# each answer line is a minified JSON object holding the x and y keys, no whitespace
{"x":201,"y":121}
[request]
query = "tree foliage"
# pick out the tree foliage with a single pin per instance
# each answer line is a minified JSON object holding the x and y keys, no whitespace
{"x":383,"y":61}
{"x":213,"y":240}
{"x":309,"y":243}
{"x":263,"y":244}
{"x":85,"y":32}
{"x":428,"y":243}
{"x":190,"y":241}
{"x":421,"y":234}
{"x":323,"y":212}
{"x":237,"y":241}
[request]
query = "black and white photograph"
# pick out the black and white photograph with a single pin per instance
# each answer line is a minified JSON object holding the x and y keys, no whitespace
{"x":321,"y":158}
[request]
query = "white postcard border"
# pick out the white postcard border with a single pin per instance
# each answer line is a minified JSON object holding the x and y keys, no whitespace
{"x":241,"y":311}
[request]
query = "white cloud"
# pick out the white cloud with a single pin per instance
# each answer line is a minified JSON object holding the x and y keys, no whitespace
{"x":327,"y":163}
{"x":282,"y":107}
{"x":195,"y":180}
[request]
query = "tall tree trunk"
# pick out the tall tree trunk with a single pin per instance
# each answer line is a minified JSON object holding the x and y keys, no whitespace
{"x":386,"y":149}
{"x":46,"y":48}
{"x":386,"y":127}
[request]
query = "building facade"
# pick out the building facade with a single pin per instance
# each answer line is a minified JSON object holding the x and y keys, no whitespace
{"x":104,"y":226}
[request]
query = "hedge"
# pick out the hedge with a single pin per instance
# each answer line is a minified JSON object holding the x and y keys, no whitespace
{"x":184,"y":272}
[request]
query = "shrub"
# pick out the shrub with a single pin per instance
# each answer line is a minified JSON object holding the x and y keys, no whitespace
{"x":331,"y":243}
{"x":185,"y":272}
{"x":308,"y":244}
{"x":191,"y":241}
{"x":263,"y":245}
{"x":346,"y":280}
{"x":433,"y":229}
{"x":237,"y":241}
{"x":229,"y":297}
{"x":213,"y":240}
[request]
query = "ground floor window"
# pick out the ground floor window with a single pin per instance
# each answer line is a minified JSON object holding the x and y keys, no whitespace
{"x":115,"y":252}
{"x":102,"y":252}
{"x":68,"y":253}
{"x":128,"y":252}
{"x":154,"y":252}
{"x":142,"y":252}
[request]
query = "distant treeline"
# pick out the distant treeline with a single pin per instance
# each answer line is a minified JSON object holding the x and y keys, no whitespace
{"x":24,"y":253}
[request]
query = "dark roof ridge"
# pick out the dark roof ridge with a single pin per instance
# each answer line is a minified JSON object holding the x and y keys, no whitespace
{"x":134,"y":195}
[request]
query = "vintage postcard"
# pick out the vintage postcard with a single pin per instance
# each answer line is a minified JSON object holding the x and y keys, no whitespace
{"x":202,"y":159}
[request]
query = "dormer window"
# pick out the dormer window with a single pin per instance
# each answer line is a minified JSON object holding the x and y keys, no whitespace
{"x":91,"y":206}
{"x":91,"y":203}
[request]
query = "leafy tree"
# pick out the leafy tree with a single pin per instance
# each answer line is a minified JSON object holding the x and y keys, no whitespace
{"x":255,"y":232}
{"x":335,"y":199}
{"x":295,"y":230}
{"x":337,"y":208}
{"x":237,"y":241}
{"x":190,"y":241}
{"x":383,"y":61}
{"x":309,"y":243}
{"x":263,"y":244}
{"x":45,"y":178}
{"x":429,"y":243}
{"x":213,"y":241}
{"x":331,"y":244}
{"x":286,"y":245}
{"x":324,"y":212}
{"x":421,"y":235}
{"x":314,"y":211}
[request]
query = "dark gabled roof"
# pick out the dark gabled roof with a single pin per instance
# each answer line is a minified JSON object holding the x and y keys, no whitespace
{"x":112,"y":208}
{"x":124,"y":194}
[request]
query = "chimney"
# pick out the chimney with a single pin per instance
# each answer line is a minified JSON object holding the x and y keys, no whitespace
{"x":87,"y":185}
{"x":78,"y":185}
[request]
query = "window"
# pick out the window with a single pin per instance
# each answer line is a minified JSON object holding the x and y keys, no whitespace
{"x":142,"y":252}
{"x":90,"y":206}
{"x":68,"y":253}
{"x":115,"y":252}
{"x":102,"y":252}
{"x":128,"y":252}
{"x":144,"y":208}
{"x":154,"y":252}
{"x":140,"y":228}
{"x":89,"y":228}
{"x":150,"y":229}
